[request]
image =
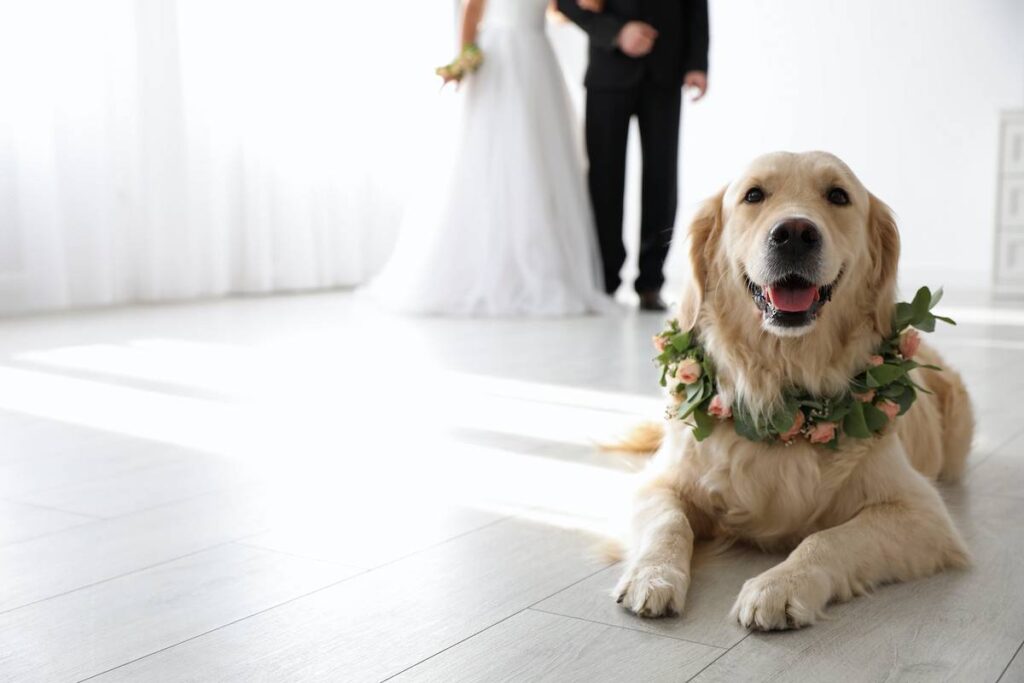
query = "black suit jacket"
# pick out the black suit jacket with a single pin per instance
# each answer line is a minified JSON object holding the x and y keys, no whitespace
{"x":682,"y":43}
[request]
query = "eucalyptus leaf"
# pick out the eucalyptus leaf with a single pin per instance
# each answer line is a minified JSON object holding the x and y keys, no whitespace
{"x":705,"y":424}
{"x":681,"y":341}
{"x":783,"y":420}
{"x":859,"y":384}
{"x":874,"y":418}
{"x":921,"y":304}
{"x":906,"y":399}
{"x":690,"y":405}
{"x":926,"y":323}
{"x":893,"y":390}
{"x":745,"y":427}
{"x":936,"y":298}
{"x":854,"y":423}
{"x":694,"y":389}
{"x":884,"y":374}
{"x":903,"y":314}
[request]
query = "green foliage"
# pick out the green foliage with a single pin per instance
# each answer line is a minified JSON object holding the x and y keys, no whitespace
{"x":854,"y":417}
{"x":917,"y":314}
{"x":704,"y":424}
{"x":884,"y":374}
{"x":874,"y":418}
{"x":784,"y":419}
{"x":854,"y":423}
{"x":745,"y":425}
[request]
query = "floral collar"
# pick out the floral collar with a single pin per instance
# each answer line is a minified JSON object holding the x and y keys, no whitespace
{"x":876,"y":395}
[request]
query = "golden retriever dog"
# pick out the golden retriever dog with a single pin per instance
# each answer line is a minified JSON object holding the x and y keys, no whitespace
{"x":794,"y":278}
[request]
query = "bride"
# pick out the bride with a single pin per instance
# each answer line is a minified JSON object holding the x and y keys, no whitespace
{"x":510,"y":232}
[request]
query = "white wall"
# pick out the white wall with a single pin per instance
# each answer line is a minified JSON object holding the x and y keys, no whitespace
{"x":908,"y":93}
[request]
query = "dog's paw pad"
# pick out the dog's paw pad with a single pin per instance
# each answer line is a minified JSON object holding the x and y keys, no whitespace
{"x":652,"y":590}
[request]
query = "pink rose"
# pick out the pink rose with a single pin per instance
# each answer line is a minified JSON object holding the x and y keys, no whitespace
{"x":909,"y":343}
{"x":719,"y":409}
{"x":688,"y":371}
{"x":875,"y":361}
{"x":823,"y":432}
{"x":660,"y":343}
{"x":890,"y":409}
{"x":867,"y":397}
{"x":798,"y":424}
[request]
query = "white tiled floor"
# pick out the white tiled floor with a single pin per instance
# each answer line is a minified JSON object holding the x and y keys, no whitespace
{"x":303,"y":488}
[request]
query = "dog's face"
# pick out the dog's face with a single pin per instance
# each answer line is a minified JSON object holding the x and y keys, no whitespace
{"x":793,"y":224}
{"x":793,"y":232}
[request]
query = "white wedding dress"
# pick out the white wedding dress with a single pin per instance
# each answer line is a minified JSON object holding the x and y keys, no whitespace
{"x":509,"y":231}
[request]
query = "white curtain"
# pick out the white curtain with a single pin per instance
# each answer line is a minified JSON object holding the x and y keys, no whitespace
{"x":170,"y":149}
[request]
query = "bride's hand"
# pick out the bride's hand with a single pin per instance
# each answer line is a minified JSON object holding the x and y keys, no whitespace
{"x":591,"y":5}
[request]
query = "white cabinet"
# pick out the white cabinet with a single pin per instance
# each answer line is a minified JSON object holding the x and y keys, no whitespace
{"x":1011,"y":202}
{"x":1009,"y":244}
{"x":1013,"y":142}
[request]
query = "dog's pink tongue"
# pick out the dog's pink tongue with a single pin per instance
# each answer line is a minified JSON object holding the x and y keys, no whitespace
{"x":792,"y":300}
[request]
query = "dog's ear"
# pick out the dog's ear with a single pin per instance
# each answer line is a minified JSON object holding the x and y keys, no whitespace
{"x":703,"y":234}
{"x":884,"y":249}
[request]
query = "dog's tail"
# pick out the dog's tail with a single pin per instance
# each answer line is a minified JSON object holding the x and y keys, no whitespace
{"x":609,"y":550}
{"x":644,"y":439}
{"x":957,"y":422}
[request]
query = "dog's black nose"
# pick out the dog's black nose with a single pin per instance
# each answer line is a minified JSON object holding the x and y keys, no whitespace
{"x":795,"y":237}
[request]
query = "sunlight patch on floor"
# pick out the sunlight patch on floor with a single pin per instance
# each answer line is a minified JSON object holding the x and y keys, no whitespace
{"x":278,"y":398}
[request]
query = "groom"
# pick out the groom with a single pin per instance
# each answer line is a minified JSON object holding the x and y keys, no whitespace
{"x":642,"y":52}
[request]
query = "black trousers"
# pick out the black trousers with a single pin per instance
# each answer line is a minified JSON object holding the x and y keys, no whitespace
{"x":609,"y":112}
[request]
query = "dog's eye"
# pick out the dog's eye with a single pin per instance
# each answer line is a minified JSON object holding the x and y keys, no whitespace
{"x":838,"y":196}
{"x":755,"y":195}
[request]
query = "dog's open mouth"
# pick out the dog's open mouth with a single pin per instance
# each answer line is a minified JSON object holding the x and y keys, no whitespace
{"x":791,"y":301}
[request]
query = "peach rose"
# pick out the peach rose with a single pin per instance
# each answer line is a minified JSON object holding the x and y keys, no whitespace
{"x":909,"y":343}
{"x":719,"y":409}
{"x":867,"y":397}
{"x":823,"y":432}
{"x":688,"y":371}
{"x":660,"y":343}
{"x":798,"y":424}
{"x":890,"y":409}
{"x":875,"y":361}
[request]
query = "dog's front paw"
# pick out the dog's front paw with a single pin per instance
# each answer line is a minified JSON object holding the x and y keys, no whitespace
{"x":782,"y":598}
{"x":652,"y":590}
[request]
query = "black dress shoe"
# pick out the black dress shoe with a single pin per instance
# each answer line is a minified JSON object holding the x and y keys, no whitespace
{"x":652,"y":301}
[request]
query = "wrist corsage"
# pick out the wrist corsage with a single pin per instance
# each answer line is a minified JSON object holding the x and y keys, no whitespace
{"x":468,"y":61}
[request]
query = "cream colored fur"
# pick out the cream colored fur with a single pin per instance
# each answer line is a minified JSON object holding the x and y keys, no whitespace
{"x":866,"y":514}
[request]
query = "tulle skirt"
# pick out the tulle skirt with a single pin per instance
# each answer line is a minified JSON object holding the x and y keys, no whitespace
{"x":507,"y":227}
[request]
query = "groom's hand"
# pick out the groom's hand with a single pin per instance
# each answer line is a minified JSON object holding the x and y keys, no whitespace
{"x":696,"y":81}
{"x":636,"y":38}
